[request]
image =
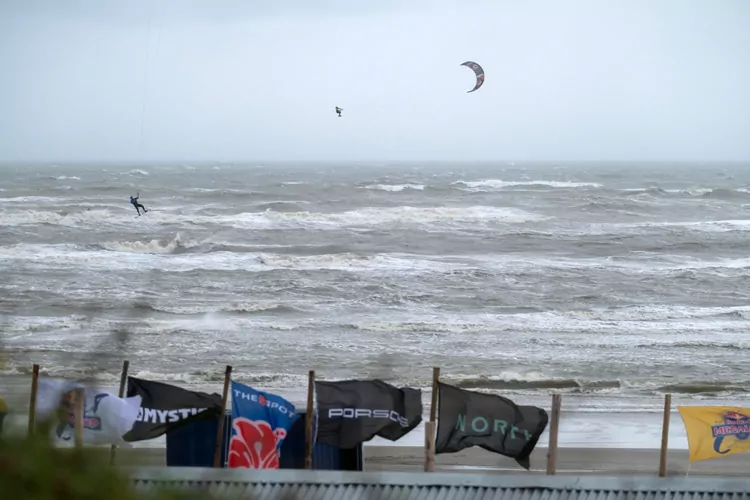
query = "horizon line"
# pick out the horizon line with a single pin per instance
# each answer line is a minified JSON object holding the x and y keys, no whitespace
{"x":259,"y":162}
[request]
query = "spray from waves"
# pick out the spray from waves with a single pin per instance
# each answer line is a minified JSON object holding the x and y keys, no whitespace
{"x":544,"y":328}
{"x":372,"y":216}
{"x":633,"y":206}
{"x":534,"y":382}
{"x":637,"y":263}
{"x":222,"y":191}
{"x":654,"y":313}
{"x":506,"y":382}
{"x":652,"y":190}
{"x":353,"y":262}
{"x":707,"y":226}
{"x":176,"y":246}
{"x":67,"y":371}
{"x":708,"y":388}
{"x":713,"y":193}
{"x":727,"y":194}
{"x":163,"y":256}
{"x":271,"y":219}
{"x":695,"y":345}
{"x":496,"y":184}
{"x":70,"y":218}
{"x":66,"y":178}
{"x":155,"y":246}
{"x":395,"y":188}
{"x":245,"y":308}
{"x":182,"y":256}
{"x":33,"y":200}
{"x":702,"y":192}
{"x":519,"y":382}
{"x":272,"y":380}
{"x":281,"y":206}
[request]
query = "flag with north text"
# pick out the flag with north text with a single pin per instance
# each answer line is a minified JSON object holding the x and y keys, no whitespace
{"x":260,"y":422}
{"x":497,"y":424}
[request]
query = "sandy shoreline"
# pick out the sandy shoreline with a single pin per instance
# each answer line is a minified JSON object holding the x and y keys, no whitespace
{"x":579,"y":461}
{"x":589,"y":443}
{"x":578,"y":429}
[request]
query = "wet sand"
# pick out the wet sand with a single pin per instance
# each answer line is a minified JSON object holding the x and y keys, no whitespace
{"x":571,"y":461}
{"x":589,"y":444}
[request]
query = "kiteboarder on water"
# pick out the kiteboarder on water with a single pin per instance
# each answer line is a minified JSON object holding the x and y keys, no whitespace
{"x":138,"y":206}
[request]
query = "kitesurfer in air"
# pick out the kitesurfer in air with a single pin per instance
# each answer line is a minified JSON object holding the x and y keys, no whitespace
{"x":138,"y":206}
{"x":338,"y":111}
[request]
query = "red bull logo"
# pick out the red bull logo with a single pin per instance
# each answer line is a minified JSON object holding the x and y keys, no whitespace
{"x":67,"y":417}
{"x":735,"y":424}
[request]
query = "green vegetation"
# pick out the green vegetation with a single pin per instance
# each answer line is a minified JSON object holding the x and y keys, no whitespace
{"x":34,"y":468}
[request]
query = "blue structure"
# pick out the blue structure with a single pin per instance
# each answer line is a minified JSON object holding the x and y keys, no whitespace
{"x":193,"y":445}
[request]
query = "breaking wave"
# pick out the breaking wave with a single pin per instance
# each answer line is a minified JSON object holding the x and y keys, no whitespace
{"x":496,"y":184}
{"x":243,"y":308}
{"x":636,"y":292}
{"x":519,"y":383}
{"x":393,"y":215}
{"x":268,"y":218}
{"x":395,"y":187}
{"x":155,"y":246}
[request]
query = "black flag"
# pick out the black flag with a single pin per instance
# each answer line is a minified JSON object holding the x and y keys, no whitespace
{"x":497,"y":424}
{"x":351,"y":412}
{"x":164,"y":406}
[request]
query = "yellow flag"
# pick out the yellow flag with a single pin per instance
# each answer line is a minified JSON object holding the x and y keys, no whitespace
{"x":716,"y":431}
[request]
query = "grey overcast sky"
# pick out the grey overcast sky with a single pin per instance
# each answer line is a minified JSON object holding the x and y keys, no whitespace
{"x":258,"y":80}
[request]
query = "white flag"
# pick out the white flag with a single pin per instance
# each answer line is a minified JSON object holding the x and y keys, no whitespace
{"x":106,"y":417}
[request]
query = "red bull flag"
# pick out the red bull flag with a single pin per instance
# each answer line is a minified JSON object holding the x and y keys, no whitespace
{"x":716,"y":431}
{"x":106,"y":417}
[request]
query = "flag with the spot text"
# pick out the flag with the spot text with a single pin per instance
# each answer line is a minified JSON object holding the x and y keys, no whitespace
{"x":260,"y":422}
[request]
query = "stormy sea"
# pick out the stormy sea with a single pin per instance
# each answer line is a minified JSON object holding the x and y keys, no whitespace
{"x":609,"y":283}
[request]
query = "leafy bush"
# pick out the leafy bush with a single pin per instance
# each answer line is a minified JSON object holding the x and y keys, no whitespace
{"x":34,"y":468}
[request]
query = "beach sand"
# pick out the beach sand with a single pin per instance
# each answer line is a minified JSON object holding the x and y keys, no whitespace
{"x":571,"y":461}
{"x":589,"y":443}
{"x":578,"y":461}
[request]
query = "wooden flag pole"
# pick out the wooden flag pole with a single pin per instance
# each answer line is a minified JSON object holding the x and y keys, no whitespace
{"x":121,"y":394}
{"x":429,"y":447}
{"x":553,"y":432}
{"x":665,"y":436}
{"x":32,"y":401}
{"x":220,"y":426}
{"x":78,"y":405}
{"x":430,"y":428}
{"x":433,"y":404}
{"x":309,"y":419}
